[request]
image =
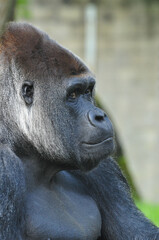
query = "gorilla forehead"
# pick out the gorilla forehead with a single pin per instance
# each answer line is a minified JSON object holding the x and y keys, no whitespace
{"x":32,"y":49}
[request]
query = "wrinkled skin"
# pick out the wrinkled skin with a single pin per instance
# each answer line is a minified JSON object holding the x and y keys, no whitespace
{"x":57,"y":178}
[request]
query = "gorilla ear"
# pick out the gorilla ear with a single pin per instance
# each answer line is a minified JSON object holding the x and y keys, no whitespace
{"x":28,"y":92}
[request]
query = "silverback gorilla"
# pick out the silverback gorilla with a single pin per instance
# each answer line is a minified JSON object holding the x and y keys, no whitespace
{"x":57,"y":179}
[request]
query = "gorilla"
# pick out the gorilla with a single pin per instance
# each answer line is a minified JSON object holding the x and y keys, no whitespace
{"x":57,"y":177}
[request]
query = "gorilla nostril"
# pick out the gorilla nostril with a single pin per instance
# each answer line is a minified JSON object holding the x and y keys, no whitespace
{"x":99,"y":118}
{"x":100,"y":115}
{"x":96,"y":116}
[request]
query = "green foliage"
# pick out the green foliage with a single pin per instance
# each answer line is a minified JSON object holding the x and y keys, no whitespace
{"x":24,"y":2}
{"x":22,"y":11}
{"x":151,"y":211}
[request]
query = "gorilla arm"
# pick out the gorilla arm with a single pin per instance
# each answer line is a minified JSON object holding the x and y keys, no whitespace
{"x":121,"y":220}
{"x":12,"y":188}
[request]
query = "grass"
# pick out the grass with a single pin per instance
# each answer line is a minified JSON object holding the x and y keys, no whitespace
{"x":151,"y":211}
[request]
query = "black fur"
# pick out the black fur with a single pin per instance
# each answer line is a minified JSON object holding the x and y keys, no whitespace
{"x":12,"y":196}
{"x":121,"y":220}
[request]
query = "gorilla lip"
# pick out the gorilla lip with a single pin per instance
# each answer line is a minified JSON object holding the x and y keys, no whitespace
{"x":109,"y":139}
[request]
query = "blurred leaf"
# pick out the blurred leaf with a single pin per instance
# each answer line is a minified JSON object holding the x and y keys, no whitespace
{"x":22,"y":9}
{"x":151,"y":211}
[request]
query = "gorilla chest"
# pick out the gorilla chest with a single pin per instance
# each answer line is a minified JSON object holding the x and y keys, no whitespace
{"x":62,"y":212}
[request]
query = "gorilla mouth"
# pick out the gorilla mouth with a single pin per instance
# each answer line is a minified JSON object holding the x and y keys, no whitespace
{"x":109,"y":139}
{"x":93,"y":152}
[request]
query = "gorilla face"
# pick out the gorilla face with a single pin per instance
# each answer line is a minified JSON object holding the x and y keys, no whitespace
{"x":52,"y":107}
{"x":93,"y":132}
{"x":83,"y":131}
{"x":76,"y":134}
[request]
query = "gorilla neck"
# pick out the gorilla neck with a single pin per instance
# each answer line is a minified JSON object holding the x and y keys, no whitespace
{"x":38,"y":171}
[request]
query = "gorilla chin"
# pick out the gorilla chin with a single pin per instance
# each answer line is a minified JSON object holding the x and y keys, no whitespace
{"x":92,"y":154}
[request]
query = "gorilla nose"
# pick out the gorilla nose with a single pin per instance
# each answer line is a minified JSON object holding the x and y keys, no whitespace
{"x":96,"y":117}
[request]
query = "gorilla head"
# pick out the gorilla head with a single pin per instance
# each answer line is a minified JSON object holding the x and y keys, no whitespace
{"x":46,"y":102}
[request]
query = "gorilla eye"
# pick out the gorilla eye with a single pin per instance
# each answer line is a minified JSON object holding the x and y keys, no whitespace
{"x":88,"y":91}
{"x":73,"y":95}
{"x":27,"y":92}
